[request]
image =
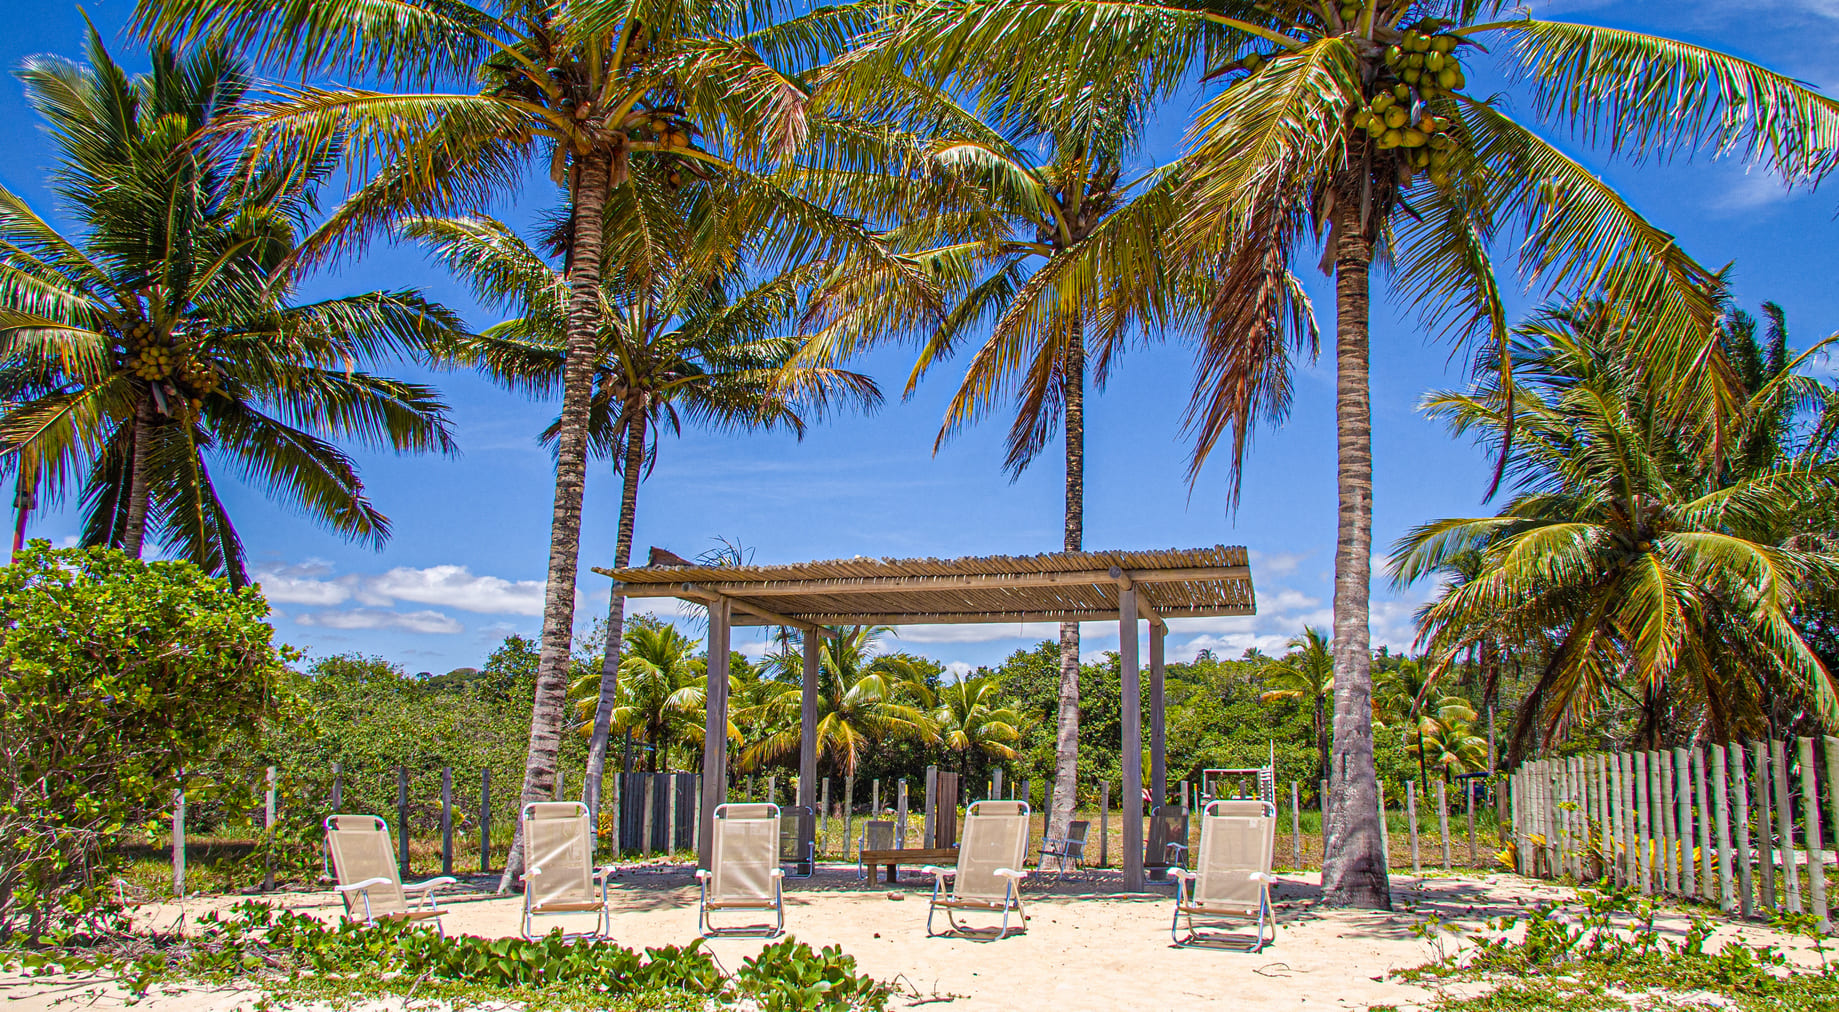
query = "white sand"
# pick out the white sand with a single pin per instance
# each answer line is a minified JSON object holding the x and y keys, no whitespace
{"x":1084,"y":948}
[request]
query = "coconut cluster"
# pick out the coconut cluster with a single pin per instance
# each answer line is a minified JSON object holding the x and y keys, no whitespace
{"x":1427,"y":62}
{"x":668,"y":127}
{"x":1419,"y":69}
{"x":157,"y":357}
{"x":1394,"y":121}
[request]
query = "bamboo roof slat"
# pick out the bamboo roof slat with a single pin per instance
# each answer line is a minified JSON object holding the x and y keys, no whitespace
{"x":1059,"y":586}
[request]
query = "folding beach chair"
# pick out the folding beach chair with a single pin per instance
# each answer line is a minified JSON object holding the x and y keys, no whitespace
{"x":797,"y":849}
{"x":559,"y":876}
{"x":1066,"y":853}
{"x":745,"y":873}
{"x":1167,"y":846}
{"x":364,"y":864}
{"x":1231,"y":878}
{"x":991,"y":859}
{"x":877,"y":834}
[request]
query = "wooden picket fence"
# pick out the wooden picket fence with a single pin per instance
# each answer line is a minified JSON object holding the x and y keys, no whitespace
{"x":1738,"y":824}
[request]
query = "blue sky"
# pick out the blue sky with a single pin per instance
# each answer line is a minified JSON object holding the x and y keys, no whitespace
{"x":465,"y":565}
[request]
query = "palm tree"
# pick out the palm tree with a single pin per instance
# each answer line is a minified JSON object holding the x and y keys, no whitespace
{"x":1453,"y":748}
{"x":1402,"y":696}
{"x":1665,"y":573}
{"x":1348,"y":126}
{"x":862,"y":700}
{"x":585,"y":88}
{"x":661,"y":689}
{"x":1306,"y":672}
{"x":972,"y":721}
{"x":160,"y":343}
{"x":690,"y":330}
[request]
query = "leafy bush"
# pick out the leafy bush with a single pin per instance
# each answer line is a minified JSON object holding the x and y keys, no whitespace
{"x":116,"y":676}
{"x":789,"y":976}
{"x":253,"y":941}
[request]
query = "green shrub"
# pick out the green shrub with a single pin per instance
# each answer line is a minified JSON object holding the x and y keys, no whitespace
{"x":115,"y":677}
{"x":789,"y":976}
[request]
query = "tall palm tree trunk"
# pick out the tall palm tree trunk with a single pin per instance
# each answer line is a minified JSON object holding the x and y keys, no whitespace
{"x":616,"y":611}
{"x":1066,"y":737}
{"x":134,"y":527}
{"x":1354,"y":865}
{"x":551,"y":700}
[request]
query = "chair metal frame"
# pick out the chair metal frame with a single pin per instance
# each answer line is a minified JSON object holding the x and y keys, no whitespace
{"x":704,"y":876}
{"x":1012,"y":890}
{"x":1063,"y":850}
{"x":418,"y":897}
{"x":1186,"y":880}
{"x":603,"y":920}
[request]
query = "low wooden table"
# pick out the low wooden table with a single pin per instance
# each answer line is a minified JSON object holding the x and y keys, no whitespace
{"x":893,"y":859}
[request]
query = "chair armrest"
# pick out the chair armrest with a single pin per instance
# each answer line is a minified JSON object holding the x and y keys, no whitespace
{"x":1184,"y":874}
{"x":604,"y":872}
{"x":938,"y":872}
{"x":431,"y":884}
{"x":704,"y":875}
{"x":778,"y":872}
{"x":1265,"y":877}
{"x":360,"y":886}
{"x":1011,"y":873}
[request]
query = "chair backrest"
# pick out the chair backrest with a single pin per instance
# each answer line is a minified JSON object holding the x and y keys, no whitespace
{"x":791,"y":821}
{"x":878,"y":834}
{"x":1236,"y":842}
{"x":558,"y":853}
{"x":1167,"y":825}
{"x":361,"y":850}
{"x":746,"y":852}
{"x":995,"y":836}
{"x":1076,"y":832}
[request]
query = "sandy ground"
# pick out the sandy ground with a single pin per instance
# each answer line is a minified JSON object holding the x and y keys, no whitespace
{"x":1086,"y":948}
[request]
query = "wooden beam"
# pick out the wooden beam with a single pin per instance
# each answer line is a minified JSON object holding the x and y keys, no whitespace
{"x":715,"y":733}
{"x":703,"y":595}
{"x":915,"y":584}
{"x":984,"y":617}
{"x":1126,"y":581}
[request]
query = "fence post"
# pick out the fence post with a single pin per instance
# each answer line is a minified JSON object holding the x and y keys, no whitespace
{"x":649,"y":799}
{"x":1707,"y":857}
{"x":1660,"y":769}
{"x":1296,"y":823}
{"x":268,"y":833}
{"x":849,"y":811}
{"x":485,"y":819}
{"x":1385,"y":835}
{"x":338,"y":787}
{"x":447,"y":820}
{"x":1765,"y":825}
{"x":1682,"y":772}
{"x":1644,"y":822}
{"x":1746,"y":902}
{"x":1784,"y":809}
{"x":1816,"y":840}
{"x":1411,"y":810}
{"x":1321,"y":801}
{"x":1443,"y":820}
{"x":1104,"y":824}
{"x":402,"y":820}
{"x":1468,"y":793}
{"x":560,"y":793}
{"x":1727,"y":892}
{"x":823,"y":819}
{"x":900,"y":806}
{"x":673,"y":841}
{"x":1630,"y":829}
{"x":178,"y":842}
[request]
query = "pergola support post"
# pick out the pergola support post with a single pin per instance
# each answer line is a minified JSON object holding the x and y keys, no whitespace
{"x":807,"y":741}
{"x":715,"y":731}
{"x":1132,"y":744}
{"x":1158,"y":759}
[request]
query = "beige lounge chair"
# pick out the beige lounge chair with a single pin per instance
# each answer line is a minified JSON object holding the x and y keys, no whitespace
{"x":991,"y":859}
{"x":797,"y":842}
{"x":745,"y":873}
{"x":1231,"y":879}
{"x":364,"y":863}
{"x":877,"y":834}
{"x":560,"y":877}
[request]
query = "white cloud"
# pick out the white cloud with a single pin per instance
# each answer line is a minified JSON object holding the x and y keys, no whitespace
{"x":429,"y":621}
{"x":1274,"y":563}
{"x":979,"y":633}
{"x":958,"y":670}
{"x":1751,"y":191}
{"x":456,"y":587}
{"x":1229,"y":646}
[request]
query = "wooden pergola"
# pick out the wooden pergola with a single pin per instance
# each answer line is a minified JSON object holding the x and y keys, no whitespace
{"x":818,"y":598}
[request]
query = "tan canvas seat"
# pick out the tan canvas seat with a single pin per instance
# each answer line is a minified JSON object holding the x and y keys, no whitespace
{"x":364,"y":863}
{"x":877,"y":834}
{"x":560,"y":876}
{"x":744,"y":872}
{"x":797,"y":842}
{"x":1231,"y":879}
{"x":991,"y":859}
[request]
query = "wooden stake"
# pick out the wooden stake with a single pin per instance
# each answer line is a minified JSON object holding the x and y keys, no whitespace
{"x":1644,"y":809}
{"x":823,"y":820}
{"x":1411,"y":814}
{"x":447,"y":820}
{"x":1104,"y":825}
{"x":178,"y":843}
{"x":485,"y":821}
{"x":1765,"y":826}
{"x":645,"y":816}
{"x":900,"y":814}
{"x":1682,"y":768}
{"x":1784,"y":816}
{"x":849,"y":811}
{"x":268,"y":833}
{"x":1816,"y":840}
{"x":1443,"y":820}
{"x":1296,"y":822}
{"x":1385,"y":836}
{"x":1707,"y":855}
{"x":1720,"y":795}
{"x":402,"y":820}
{"x":1746,"y":881}
{"x":1468,"y":794}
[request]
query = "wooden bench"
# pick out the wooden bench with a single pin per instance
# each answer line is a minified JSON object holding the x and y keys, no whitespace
{"x":893,"y":859}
